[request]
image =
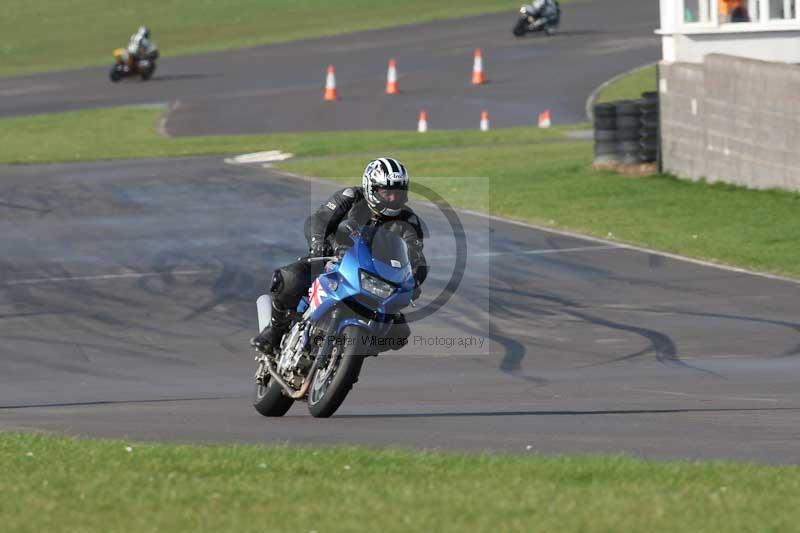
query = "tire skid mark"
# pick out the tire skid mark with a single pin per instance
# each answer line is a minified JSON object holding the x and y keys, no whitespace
{"x":21,"y":207}
{"x":661,"y":345}
{"x":791,"y":352}
{"x":118,"y":402}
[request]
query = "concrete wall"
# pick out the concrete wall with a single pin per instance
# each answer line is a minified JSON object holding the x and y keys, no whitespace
{"x":732,"y":119}
{"x":693,"y":46}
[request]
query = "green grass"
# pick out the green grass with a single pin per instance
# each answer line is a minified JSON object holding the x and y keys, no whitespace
{"x":62,"y":484}
{"x":535,"y":175}
{"x":58,"y":34}
{"x":553,"y":185}
{"x":630,"y":86}
{"x":130,"y":132}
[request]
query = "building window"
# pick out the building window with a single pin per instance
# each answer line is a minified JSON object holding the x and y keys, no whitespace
{"x":704,"y":14}
{"x":739,"y":10}
{"x":697,"y":11}
{"x":782,"y":9}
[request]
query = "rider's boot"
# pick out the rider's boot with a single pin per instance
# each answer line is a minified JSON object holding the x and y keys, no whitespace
{"x":270,"y":338}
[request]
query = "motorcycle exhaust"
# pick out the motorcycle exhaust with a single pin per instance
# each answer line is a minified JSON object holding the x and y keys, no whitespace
{"x":295,"y":395}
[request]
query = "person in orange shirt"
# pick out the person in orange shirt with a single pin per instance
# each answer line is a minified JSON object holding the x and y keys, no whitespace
{"x":733,"y":11}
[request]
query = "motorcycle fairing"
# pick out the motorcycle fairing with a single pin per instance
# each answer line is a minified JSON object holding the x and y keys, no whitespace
{"x":342,"y":283}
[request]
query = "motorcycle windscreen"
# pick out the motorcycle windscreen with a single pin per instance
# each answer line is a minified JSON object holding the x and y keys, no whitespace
{"x":387,"y":247}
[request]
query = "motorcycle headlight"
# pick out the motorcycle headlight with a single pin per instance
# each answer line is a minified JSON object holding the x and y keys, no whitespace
{"x":376,"y":286}
{"x":523,"y":10}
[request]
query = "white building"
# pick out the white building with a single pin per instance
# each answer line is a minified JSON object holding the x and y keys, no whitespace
{"x":759,"y":29}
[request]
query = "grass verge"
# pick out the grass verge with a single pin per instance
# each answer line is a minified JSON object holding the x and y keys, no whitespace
{"x":130,"y":132}
{"x":630,"y":86}
{"x":535,"y":175}
{"x":63,"y":484}
{"x":58,"y":34}
{"x":552,"y":184}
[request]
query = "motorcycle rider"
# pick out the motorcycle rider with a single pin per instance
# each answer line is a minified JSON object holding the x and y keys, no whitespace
{"x":547,"y":14}
{"x":140,"y":45}
{"x":381,"y":200}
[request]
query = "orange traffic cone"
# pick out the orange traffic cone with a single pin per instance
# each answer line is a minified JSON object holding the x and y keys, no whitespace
{"x":477,"y":68}
{"x":330,"y":85}
{"x":544,"y":119}
{"x":484,"y":120}
{"x":391,"y":78}
{"x":422,"y":125}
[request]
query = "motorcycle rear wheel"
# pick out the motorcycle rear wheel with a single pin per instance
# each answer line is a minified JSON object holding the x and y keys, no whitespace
{"x":269,"y":400}
{"x":333,"y":382}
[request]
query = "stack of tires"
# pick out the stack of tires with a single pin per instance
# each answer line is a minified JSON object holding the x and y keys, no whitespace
{"x":629,"y":127}
{"x":626,"y":132}
{"x":648,"y":106}
{"x":605,"y":135}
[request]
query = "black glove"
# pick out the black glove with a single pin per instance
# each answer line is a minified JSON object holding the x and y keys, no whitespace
{"x":350,"y":227}
{"x":318,"y":247}
{"x":340,"y":250}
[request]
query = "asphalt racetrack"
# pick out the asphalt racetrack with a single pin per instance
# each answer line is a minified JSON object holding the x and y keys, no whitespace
{"x":279,"y":88}
{"x":127,"y":288}
{"x":127,"y":298}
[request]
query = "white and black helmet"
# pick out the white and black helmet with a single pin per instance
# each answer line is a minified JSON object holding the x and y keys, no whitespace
{"x":385,"y":185}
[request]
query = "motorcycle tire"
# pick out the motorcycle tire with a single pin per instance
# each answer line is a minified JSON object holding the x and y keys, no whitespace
{"x":650,"y":122}
{"x":628,"y":147}
{"x":627,"y":122}
{"x":602,"y":148}
{"x":606,"y":135}
{"x":630,"y":159}
{"x":605,"y":111}
{"x":628,"y":135}
{"x":115,"y":75}
{"x":519,"y":28}
{"x":269,"y":400}
{"x":605,"y":123}
{"x":627,"y":108}
{"x":147,"y":74}
{"x":649,"y":146}
{"x":650,"y":156}
{"x":648,"y":136}
{"x":333,"y":382}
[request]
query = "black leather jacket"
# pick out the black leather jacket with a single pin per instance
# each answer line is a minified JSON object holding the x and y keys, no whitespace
{"x":349,"y":203}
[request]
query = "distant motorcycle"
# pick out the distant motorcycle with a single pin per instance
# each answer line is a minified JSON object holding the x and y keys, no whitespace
{"x":532,"y":20}
{"x":129,"y":65}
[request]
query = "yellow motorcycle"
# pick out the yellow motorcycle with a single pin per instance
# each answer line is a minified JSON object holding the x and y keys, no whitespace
{"x":127,"y":64}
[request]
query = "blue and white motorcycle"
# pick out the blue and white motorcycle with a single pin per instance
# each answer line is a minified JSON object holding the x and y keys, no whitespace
{"x":537,"y":16}
{"x":350,"y":308}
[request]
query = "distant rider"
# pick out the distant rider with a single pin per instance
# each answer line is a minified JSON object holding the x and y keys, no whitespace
{"x":547,"y":14}
{"x":381,"y":201}
{"x":141,"y":46}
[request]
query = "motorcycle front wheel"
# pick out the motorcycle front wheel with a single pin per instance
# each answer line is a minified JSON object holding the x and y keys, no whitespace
{"x":337,"y":376}
{"x":520,"y":28}
{"x":148,"y":72}
{"x":115,"y":75}
{"x":269,"y":399}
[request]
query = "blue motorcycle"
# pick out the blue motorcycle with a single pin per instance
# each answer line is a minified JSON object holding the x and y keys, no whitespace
{"x":350,"y":308}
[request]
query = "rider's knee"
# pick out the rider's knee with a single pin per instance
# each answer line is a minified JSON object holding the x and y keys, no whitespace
{"x":289,"y":284}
